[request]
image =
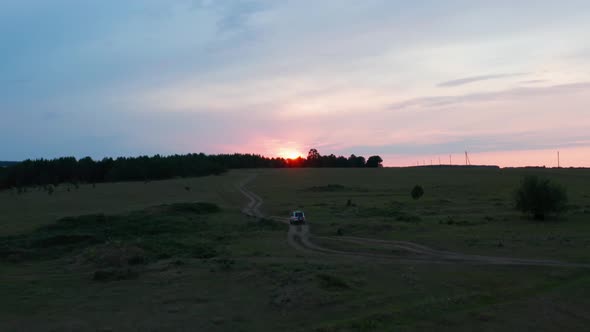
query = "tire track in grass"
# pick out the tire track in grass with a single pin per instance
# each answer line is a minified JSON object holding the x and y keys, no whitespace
{"x":298,"y":237}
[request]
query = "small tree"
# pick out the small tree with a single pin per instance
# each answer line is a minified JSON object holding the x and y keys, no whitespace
{"x":313,"y":158}
{"x":417,"y":192}
{"x":540,"y":197}
{"x":374,"y":161}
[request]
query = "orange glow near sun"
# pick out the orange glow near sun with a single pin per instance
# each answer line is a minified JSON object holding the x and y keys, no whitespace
{"x":289,"y":153}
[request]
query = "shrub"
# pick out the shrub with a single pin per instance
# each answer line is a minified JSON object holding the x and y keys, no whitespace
{"x":114,"y":255}
{"x":331,"y":282}
{"x":540,"y":197}
{"x":114,"y":275}
{"x":417,"y":192}
{"x":181,"y":230}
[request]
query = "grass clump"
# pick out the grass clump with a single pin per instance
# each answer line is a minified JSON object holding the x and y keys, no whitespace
{"x":114,"y":255}
{"x":335,"y":188}
{"x":331,"y":282}
{"x":194,"y":208}
{"x":394,"y":211}
{"x":263,"y":224}
{"x":115,"y":275}
{"x":162,"y":232}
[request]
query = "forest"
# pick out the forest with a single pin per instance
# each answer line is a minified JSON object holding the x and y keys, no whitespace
{"x":41,"y":172}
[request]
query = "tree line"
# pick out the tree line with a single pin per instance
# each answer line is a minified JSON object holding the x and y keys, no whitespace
{"x":86,"y":170}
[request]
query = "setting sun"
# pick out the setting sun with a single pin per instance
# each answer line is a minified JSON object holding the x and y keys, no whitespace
{"x":289,"y":154}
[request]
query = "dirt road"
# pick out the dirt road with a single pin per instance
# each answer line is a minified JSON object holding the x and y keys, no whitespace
{"x":300,"y":238}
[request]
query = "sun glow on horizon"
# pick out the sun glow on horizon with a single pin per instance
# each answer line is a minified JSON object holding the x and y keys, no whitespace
{"x":289,"y":153}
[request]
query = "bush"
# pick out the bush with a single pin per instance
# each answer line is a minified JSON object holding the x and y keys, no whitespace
{"x":417,"y":192}
{"x":330,"y":282}
{"x":181,"y":230}
{"x":115,"y":275}
{"x":540,"y":197}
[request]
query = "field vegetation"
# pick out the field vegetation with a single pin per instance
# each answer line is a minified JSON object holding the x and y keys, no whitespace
{"x":180,"y":254}
{"x":469,"y":210}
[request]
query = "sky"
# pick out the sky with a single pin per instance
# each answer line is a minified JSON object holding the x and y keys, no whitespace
{"x":412,"y":81}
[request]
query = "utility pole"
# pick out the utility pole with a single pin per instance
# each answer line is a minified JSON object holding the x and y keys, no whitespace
{"x":467,"y":161}
{"x":439,"y":161}
{"x":450,"y":159}
{"x":558,"y":162}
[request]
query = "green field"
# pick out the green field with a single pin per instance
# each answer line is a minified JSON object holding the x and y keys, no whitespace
{"x":150,"y":257}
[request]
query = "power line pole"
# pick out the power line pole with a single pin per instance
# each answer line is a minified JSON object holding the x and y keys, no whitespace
{"x":467,"y":161}
{"x":450,"y":159}
{"x":558,"y":162}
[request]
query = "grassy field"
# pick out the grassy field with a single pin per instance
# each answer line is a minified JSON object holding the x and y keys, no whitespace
{"x":25,"y":211}
{"x":148,"y":257}
{"x":467,"y":210}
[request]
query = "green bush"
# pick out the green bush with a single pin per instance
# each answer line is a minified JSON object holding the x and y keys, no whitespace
{"x":175,"y":230}
{"x":540,"y":197}
{"x":417,"y":192}
{"x":331,"y":282}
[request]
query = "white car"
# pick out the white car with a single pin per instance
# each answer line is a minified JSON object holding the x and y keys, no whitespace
{"x":297,"y":217}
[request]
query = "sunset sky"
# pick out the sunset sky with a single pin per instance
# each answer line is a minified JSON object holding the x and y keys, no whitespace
{"x":412,"y":81}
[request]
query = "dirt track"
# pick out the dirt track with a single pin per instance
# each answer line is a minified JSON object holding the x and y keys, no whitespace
{"x":299,"y":237}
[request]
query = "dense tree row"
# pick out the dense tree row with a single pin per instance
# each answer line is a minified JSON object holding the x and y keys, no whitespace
{"x":87,"y":170}
{"x":7,"y":163}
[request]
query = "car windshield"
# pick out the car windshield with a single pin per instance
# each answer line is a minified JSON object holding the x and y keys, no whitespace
{"x":298,"y":214}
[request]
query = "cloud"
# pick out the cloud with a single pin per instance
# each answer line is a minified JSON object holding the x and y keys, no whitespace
{"x":235,"y":14}
{"x":473,"y":79}
{"x":516,"y":93}
{"x":445,"y":143}
{"x":225,"y":75}
{"x":533,"y":81}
